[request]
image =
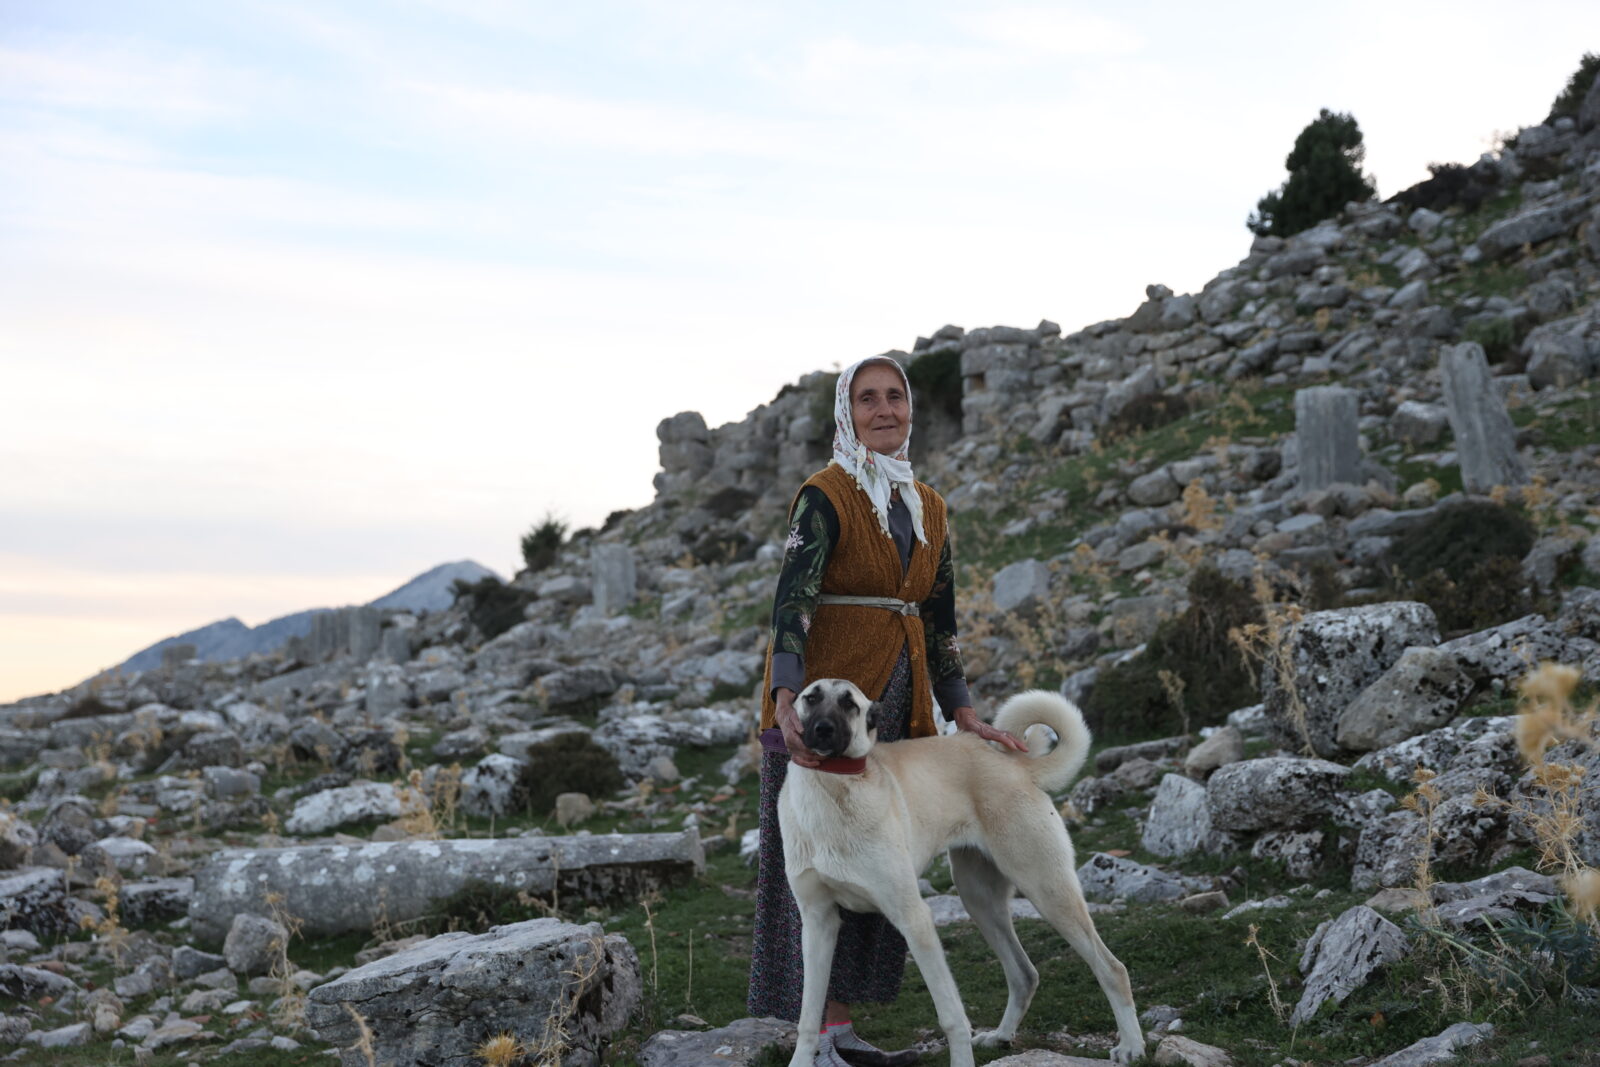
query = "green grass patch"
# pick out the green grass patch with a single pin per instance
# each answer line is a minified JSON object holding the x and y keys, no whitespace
{"x":1246,"y":411}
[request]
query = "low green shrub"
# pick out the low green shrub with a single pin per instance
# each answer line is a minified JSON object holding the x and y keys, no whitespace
{"x":936,"y":380}
{"x":1147,"y":412}
{"x":542,"y":543}
{"x":493,"y":606}
{"x":569,"y":763}
{"x":1577,"y":87}
{"x":1497,"y":335}
{"x":1131,"y":699}
{"x":1465,"y":563}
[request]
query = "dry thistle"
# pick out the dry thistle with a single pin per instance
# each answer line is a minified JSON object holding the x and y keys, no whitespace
{"x":501,"y":1050}
{"x":1279,"y":1009}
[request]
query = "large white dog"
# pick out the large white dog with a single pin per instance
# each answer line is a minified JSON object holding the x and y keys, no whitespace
{"x":859,"y":841}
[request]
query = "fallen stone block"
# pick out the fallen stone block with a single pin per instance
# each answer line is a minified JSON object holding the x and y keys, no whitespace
{"x":559,"y":989}
{"x":335,"y":889}
{"x":155,"y":899}
{"x":1178,"y":1051}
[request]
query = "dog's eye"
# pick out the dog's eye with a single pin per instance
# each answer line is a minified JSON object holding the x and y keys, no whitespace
{"x":812,"y":696}
{"x":847,"y":702}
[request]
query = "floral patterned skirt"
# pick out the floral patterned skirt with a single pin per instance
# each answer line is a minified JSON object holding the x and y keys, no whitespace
{"x":869,"y":960}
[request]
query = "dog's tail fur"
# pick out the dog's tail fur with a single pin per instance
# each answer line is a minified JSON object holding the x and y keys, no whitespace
{"x":1054,"y":770}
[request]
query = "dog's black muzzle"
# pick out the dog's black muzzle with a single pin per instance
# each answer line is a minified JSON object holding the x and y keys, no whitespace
{"x":827,"y":733}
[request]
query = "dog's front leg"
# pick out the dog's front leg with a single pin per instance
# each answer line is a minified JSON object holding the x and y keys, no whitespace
{"x":911,"y":917}
{"x":819,"y":932}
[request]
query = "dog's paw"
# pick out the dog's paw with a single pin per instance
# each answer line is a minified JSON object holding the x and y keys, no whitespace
{"x":990,"y":1039}
{"x":1128,"y":1051}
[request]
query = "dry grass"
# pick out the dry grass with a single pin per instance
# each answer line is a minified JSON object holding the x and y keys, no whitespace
{"x":1269,"y":647}
{"x":110,"y":934}
{"x":556,"y":1037}
{"x":1279,"y":1008}
{"x":289,"y":1009}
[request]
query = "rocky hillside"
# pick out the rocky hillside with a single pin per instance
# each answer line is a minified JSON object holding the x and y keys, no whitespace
{"x":1296,"y":540}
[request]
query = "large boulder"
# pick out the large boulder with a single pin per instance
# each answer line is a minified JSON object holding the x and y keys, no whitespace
{"x":1021,"y":586}
{"x":495,"y":786}
{"x":1334,"y":656}
{"x":559,"y":989}
{"x":1423,"y":690}
{"x":1275,"y":793}
{"x":336,"y":889}
{"x":1529,"y":228}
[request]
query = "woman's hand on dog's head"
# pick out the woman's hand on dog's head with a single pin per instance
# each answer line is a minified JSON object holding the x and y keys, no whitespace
{"x":789,"y":722}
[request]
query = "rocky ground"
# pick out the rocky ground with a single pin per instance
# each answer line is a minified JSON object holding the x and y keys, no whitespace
{"x":320,"y":848}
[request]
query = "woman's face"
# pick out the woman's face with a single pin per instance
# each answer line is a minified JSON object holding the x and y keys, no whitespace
{"x":880,"y":408}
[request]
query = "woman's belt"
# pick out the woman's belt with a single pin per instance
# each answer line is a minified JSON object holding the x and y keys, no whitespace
{"x":899,"y":607}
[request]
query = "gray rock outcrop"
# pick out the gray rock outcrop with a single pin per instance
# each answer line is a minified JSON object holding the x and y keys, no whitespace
{"x":1421,"y":692}
{"x":740,"y":1042}
{"x":1276,"y":793}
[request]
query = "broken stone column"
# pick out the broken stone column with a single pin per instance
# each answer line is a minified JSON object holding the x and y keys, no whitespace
{"x":336,"y":889}
{"x":1327,"y":429}
{"x":330,"y":634}
{"x":559,"y":989}
{"x":1486,"y":442}
{"x":614,"y":577}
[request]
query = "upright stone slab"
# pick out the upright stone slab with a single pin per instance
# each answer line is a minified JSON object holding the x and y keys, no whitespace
{"x":1327,"y":427}
{"x":336,"y":889}
{"x":366,"y":626}
{"x":1486,"y":442}
{"x":614,"y":577}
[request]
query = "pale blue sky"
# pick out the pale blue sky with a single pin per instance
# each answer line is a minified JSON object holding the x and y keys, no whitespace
{"x":300,"y":299}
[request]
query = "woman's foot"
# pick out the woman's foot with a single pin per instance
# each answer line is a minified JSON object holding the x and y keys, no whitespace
{"x":859,"y":1052}
{"x":828,"y":1054}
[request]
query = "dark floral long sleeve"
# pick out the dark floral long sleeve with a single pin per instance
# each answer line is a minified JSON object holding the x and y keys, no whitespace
{"x":939,"y":629}
{"x":813,"y":532}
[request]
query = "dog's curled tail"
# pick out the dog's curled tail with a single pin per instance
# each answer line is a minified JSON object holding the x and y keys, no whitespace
{"x":1054,"y":770}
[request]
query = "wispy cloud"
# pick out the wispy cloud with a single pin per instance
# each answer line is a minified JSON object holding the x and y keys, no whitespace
{"x":1052,"y":31}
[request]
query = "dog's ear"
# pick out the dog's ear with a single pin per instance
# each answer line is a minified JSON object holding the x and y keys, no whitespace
{"x":874,"y":715}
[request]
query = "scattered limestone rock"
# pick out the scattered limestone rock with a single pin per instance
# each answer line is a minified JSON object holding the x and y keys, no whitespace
{"x":254,"y":944}
{"x":1106,"y":877}
{"x":1180,"y":820}
{"x":1224,"y":746}
{"x":1176,"y":1049}
{"x":330,"y":808}
{"x":740,"y":1042}
{"x":1343,"y":955}
{"x":1441,"y":1048}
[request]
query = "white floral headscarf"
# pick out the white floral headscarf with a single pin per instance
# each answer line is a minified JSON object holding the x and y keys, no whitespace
{"x":878,"y":475}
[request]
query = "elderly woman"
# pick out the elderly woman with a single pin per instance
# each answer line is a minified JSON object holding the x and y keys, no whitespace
{"x":866,"y":593}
